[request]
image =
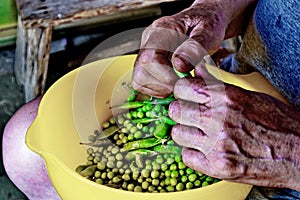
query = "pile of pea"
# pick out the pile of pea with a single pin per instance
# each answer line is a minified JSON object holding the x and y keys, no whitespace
{"x":134,"y":151}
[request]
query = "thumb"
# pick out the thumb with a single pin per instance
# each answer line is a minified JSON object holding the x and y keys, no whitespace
{"x":188,"y":55}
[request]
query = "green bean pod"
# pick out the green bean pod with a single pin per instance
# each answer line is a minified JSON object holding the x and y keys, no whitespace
{"x":141,"y":144}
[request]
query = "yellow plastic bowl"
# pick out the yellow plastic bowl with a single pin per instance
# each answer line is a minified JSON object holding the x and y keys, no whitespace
{"x":75,"y":106}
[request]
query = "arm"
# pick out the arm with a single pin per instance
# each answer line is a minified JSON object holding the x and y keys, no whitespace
{"x":185,"y":38}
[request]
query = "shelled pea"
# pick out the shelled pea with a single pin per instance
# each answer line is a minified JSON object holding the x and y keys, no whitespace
{"x":134,"y":151}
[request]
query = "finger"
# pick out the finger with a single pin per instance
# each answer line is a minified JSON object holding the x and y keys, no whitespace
{"x":188,"y":113}
{"x":194,"y":138}
{"x":188,"y":55}
{"x":158,"y":66}
{"x":145,"y":83}
{"x":197,"y":161}
{"x":188,"y":136}
{"x":211,"y":93}
{"x":208,"y":120}
{"x":192,"y":89}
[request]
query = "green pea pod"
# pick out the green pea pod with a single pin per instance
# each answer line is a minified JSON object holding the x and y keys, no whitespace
{"x":132,"y":95}
{"x":143,"y":152}
{"x":89,"y":171}
{"x":96,"y":143}
{"x":141,"y":144}
{"x":167,"y":120}
{"x":182,"y":74}
{"x":165,"y":101}
{"x":161,"y":131}
{"x":108,"y":132}
{"x":168,"y":149}
{"x":129,"y":105}
{"x":144,"y":120}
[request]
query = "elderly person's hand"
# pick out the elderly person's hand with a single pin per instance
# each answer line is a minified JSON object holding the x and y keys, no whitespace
{"x":235,"y":134}
{"x":181,"y":41}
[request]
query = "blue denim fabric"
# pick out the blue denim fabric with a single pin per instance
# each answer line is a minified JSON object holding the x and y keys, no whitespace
{"x":277,"y":22}
{"x":262,"y":193}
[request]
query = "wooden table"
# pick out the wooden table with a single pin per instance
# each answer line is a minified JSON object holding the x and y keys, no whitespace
{"x":37,"y":20}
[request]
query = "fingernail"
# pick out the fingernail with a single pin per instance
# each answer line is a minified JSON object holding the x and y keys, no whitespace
{"x":181,"y":64}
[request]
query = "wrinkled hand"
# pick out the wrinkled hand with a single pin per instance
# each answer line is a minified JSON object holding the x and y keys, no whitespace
{"x":234,"y":134}
{"x":179,"y":41}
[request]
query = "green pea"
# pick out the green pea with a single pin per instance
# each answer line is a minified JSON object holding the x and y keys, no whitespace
{"x":124,"y":185}
{"x":105,"y":124}
{"x":140,"y":114}
{"x":112,"y":120}
{"x":110,"y":164}
{"x":137,"y":188}
{"x":168,"y":173}
{"x":170,"y":161}
{"x":133,"y":129}
{"x":160,"y":160}
{"x":173,"y":181}
{"x":181,"y":172}
{"x":173,"y":167}
{"x":110,"y":175}
{"x":189,"y":170}
{"x":99,"y":181}
{"x":90,"y":151}
{"x":151,"y":129}
{"x":155,"y":182}
{"x":145,"y":129}
{"x":164,"y":167}
{"x":103,"y":175}
{"x":119,"y":164}
{"x":189,"y":185}
{"x":155,"y":174}
{"x":116,"y":179}
{"x":145,"y":173}
{"x":180,"y":187}
{"x":170,"y":188}
{"x":145,"y":185}
{"x":101,"y":166}
{"x":184,"y":179}
{"x":205,"y":183}
{"x":97,"y":174}
{"x":130,"y":137}
{"x":138,"y":135}
{"x":209,"y":179}
{"x":130,"y":187}
{"x":126,"y":177}
{"x":192,"y":177}
{"x":197,"y":183}
{"x":181,"y":165}
{"x":174,"y":174}
{"x":168,"y":181}
{"x":151,"y":188}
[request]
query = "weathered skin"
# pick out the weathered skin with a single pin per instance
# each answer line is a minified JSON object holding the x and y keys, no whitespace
{"x":227,"y":132}
{"x":256,"y":143}
{"x":185,"y":37}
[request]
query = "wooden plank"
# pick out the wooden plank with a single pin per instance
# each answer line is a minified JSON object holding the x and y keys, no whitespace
{"x":60,"y":12}
{"x":32,"y":57}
